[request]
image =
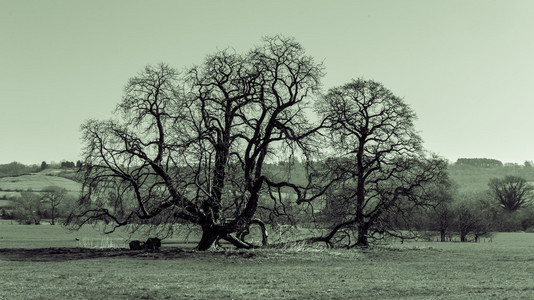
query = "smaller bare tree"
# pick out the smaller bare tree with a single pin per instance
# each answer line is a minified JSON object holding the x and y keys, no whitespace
{"x":511,"y":192}
{"x":54,"y":195}
{"x":380,"y":170}
{"x":473,"y":215}
{"x":441,"y":215}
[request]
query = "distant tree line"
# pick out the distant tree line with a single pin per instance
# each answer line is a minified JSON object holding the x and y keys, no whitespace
{"x":479,"y":162}
{"x":17,"y":169}
{"x":63,"y":165}
{"x":67,"y":165}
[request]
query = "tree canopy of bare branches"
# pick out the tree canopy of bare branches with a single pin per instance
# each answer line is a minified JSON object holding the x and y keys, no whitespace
{"x":381,"y":170}
{"x":191,"y":146}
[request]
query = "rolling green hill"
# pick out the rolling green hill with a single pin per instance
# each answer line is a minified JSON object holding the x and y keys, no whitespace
{"x":10,"y":187}
{"x":467,"y":178}
{"x":474,"y":179}
{"x":36,"y":182}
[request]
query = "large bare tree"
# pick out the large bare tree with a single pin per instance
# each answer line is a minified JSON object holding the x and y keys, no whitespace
{"x":192,"y":147}
{"x":381,"y":171}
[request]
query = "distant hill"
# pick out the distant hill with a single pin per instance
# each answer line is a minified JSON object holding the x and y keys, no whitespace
{"x":36,"y":182}
{"x":10,"y":187}
{"x":472,"y":179}
{"x":468,"y":176}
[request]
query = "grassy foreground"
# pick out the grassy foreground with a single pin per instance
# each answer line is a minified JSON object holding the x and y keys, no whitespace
{"x":499,"y":270}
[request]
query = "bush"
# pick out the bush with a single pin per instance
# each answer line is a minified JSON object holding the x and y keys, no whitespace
{"x":526,"y":218}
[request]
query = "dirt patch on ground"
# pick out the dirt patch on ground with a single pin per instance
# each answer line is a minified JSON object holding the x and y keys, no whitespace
{"x":65,"y":254}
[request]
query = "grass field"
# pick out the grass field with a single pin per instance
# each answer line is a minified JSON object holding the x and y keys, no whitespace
{"x":36,"y":182}
{"x":502,"y":269}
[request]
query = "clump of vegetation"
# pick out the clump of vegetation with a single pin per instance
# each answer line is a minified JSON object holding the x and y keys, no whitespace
{"x":31,"y":207}
{"x":16,"y":169}
{"x":101,"y":243}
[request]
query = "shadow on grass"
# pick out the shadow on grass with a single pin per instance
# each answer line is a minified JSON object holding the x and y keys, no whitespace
{"x":67,"y":254}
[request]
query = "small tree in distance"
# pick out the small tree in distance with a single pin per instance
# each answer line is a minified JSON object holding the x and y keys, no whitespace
{"x":511,"y":192}
{"x":54,"y":196}
{"x":473,"y":215}
{"x":441,"y":215}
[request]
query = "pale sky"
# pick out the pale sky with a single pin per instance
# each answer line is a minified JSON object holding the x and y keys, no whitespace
{"x":466,"y":67}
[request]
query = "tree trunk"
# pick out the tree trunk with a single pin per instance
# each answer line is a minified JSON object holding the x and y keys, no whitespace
{"x":443,"y":235}
{"x":463,"y":236}
{"x":52,"y":222}
{"x":363,"y":233}
{"x":209,"y":236}
{"x":211,"y":233}
{"x":238,"y":243}
{"x":264,"y":234}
